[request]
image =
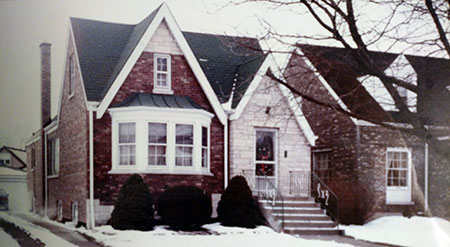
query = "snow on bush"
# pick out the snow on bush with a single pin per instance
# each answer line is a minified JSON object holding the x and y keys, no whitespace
{"x":237,"y":207}
{"x":398,"y":230}
{"x":185,"y":208}
{"x":134,"y":207}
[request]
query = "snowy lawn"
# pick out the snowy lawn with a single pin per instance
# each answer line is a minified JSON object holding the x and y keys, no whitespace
{"x":7,"y":240}
{"x":398,"y":230}
{"x":216,"y":236}
{"x":36,"y":232}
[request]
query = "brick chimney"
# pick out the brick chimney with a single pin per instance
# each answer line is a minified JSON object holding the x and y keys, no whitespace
{"x":45,"y":83}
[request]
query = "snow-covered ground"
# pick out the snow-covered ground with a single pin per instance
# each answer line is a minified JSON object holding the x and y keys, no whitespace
{"x":7,"y":240}
{"x":217,"y":236}
{"x":398,"y":230}
{"x":36,"y":232}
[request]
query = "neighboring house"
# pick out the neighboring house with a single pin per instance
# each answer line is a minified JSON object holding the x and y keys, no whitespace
{"x":172,"y":106}
{"x":373,"y":170}
{"x":13,"y":157}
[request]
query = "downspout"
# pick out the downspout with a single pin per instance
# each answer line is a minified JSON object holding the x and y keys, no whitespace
{"x":91,"y":169}
{"x":45,"y":175}
{"x":426,"y":177}
{"x":225,"y":163}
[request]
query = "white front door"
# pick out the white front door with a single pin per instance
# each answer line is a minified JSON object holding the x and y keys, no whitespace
{"x":398,"y":176}
{"x":265,"y":159}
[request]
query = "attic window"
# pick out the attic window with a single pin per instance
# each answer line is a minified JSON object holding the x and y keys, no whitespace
{"x":162,"y":74}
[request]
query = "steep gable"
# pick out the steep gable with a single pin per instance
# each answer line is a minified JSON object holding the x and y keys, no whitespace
{"x":163,"y":41}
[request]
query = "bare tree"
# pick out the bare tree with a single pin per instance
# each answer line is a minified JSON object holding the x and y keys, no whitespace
{"x":412,"y":25}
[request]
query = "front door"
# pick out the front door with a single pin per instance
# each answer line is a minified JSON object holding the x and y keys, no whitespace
{"x":265,"y":160}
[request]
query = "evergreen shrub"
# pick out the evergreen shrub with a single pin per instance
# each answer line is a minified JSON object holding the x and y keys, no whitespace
{"x":237,"y":207}
{"x":133,"y":209}
{"x":185,"y":208}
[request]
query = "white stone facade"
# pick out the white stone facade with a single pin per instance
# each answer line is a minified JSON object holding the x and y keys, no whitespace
{"x":293,"y":150}
{"x":163,"y":41}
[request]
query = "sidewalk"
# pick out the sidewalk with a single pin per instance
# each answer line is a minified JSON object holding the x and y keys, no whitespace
{"x":18,"y":234}
{"x":347,"y":240}
{"x":66,"y":234}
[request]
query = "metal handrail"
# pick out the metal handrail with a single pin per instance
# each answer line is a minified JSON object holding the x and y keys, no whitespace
{"x":266,"y":193}
{"x":323,"y":202}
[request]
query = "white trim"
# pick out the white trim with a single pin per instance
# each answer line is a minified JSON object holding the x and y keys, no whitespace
{"x":162,"y":89}
{"x":141,"y":116}
{"x":163,"y":14}
{"x":72,"y":75}
{"x":32,"y":139}
{"x":325,"y":83}
{"x":91,"y":171}
{"x":275,"y":150}
{"x":269,"y":63}
{"x":51,"y":127}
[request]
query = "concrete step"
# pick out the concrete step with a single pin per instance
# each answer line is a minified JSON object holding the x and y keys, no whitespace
{"x":294,"y":210}
{"x":290,"y":203}
{"x":306,"y":217}
{"x":309,"y":224}
{"x":313,"y":231}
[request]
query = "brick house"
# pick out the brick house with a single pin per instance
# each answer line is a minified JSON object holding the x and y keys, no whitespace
{"x":153,"y":100}
{"x":373,"y":170}
{"x":13,"y":157}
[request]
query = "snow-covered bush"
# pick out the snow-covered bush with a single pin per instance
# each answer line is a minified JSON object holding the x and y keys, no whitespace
{"x":237,"y":207}
{"x":185,"y":208}
{"x":134,"y":207}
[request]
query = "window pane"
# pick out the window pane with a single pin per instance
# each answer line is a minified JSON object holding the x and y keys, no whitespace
{"x":157,"y":133}
{"x":204,"y":157}
{"x":161,"y":80}
{"x":204,"y":136}
{"x":184,"y":134}
{"x":162,"y":64}
{"x":127,"y":132}
{"x":264,"y":145}
{"x":183,"y":156}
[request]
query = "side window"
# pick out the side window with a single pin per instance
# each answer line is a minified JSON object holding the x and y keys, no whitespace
{"x":127,"y":144}
{"x":321,"y":162}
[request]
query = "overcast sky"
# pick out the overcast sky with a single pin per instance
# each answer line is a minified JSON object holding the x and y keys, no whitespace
{"x":25,"y":24}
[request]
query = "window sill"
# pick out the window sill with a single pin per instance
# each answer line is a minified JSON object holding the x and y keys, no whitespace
{"x":162,"y":91}
{"x":53,"y":176}
{"x":161,"y":171}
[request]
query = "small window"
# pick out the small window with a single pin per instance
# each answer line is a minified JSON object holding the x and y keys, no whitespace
{"x":75,"y":212}
{"x":322,"y":165}
{"x":59,"y":210}
{"x":157,"y":144}
{"x":162,"y":72}
{"x":397,"y":169}
{"x":184,"y":144}
{"x":53,"y":157}
{"x":33,"y":158}
{"x":72,"y":75}
{"x":127,"y":144}
{"x":205,"y":149}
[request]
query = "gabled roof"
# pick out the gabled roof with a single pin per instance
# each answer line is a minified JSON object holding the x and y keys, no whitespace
{"x":227,"y":61}
{"x":104,"y":48}
{"x":341,"y":72}
{"x":19,"y":154}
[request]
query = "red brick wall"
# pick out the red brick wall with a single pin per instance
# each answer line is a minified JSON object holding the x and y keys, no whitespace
{"x":140,"y":79}
{"x":71,"y":185}
{"x":34,"y":176}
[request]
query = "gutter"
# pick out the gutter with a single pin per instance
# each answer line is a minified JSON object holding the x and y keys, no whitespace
{"x":426,"y":178}
{"x":225,"y":163}
{"x":91,"y":170}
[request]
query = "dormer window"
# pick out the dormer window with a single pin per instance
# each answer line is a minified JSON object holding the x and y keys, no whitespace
{"x":162,"y":71}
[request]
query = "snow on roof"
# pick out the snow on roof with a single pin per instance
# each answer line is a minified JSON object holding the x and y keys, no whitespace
{"x":8,"y":171}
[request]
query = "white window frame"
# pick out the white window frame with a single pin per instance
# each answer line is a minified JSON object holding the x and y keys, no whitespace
{"x":126,"y":144}
{"x":275,"y":162}
{"x":399,"y":194}
{"x":206,"y":148}
{"x":157,"y":145}
{"x":71,"y":76}
{"x":162,"y":89}
{"x":171,"y":117}
{"x":184,"y":145}
{"x":53,"y":163}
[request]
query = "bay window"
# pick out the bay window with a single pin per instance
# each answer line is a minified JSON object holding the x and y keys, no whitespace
{"x":127,"y":146}
{"x":160,"y":140}
{"x":157,"y":142}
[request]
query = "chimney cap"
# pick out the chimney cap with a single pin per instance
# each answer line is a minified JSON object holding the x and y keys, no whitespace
{"x":45,"y":44}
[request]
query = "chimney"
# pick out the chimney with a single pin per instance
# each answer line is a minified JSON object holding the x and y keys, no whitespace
{"x":45,"y":83}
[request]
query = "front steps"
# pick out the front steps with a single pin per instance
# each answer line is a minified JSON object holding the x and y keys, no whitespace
{"x":302,"y":216}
